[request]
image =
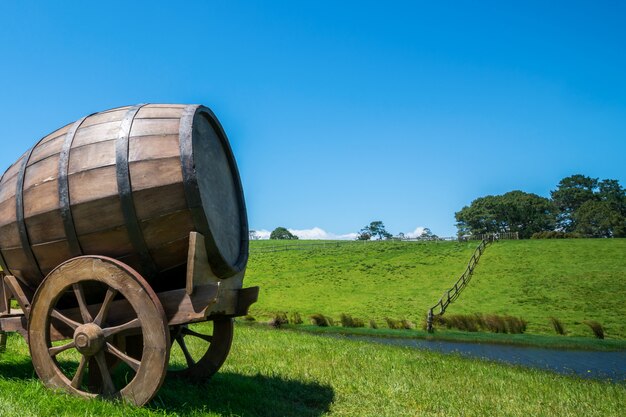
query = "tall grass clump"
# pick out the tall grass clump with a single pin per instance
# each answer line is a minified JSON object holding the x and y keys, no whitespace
{"x":373,"y":324}
{"x":295,"y":318}
{"x":349,"y":321}
{"x":321,"y":320}
{"x":402,"y":324}
{"x":474,"y":322}
{"x":596,"y":327}
{"x":278,"y":320}
{"x":559,"y":328}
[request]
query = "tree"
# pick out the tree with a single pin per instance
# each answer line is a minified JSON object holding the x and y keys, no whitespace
{"x":571,"y":193}
{"x":599,"y":219}
{"x":515,"y":211}
{"x":591,"y":207}
{"x":283,"y":234}
{"x":374,"y":229}
{"x":253,"y":235}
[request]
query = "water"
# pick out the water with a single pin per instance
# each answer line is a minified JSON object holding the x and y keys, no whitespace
{"x":586,"y":364}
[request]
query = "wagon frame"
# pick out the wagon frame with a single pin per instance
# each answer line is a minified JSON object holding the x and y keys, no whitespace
{"x":131,"y":324}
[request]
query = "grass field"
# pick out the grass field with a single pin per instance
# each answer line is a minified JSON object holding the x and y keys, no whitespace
{"x":573,"y":280}
{"x":284,"y":373}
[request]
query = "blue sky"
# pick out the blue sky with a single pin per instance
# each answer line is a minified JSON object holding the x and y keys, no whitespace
{"x":340,"y":113}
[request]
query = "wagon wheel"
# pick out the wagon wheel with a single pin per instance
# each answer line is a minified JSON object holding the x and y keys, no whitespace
{"x":204,"y":353}
{"x":125,"y":304}
{"x":201,"y":351}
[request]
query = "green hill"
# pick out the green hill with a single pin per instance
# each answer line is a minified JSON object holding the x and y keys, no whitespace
{"x":573,"y":280}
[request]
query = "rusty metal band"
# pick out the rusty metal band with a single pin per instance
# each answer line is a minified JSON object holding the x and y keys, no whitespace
{"x":64,"y":190}
{"x":3,"y":263}
{"x":19,"y":213}
{"x":124,"y":187}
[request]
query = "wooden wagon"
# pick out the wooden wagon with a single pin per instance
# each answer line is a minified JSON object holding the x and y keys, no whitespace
{"x":117,"y":232}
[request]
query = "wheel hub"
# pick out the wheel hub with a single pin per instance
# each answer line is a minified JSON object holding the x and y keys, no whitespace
{"x":89,"y":339}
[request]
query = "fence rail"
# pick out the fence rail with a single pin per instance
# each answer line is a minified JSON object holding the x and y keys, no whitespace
{"x":453,"y":293}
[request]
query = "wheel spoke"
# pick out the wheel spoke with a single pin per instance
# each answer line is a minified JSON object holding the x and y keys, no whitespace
{"x":108,"y":388}
{"x":132,"y":362}
{"x":82,"y":304}
{"x":104,"y":309}
{"x":183,"y":346}
{"x":71,"y":323}
{"x":80,"y":373}
{"x":55,"y":350}
{"x":189,"y":332}
{"x":133,"y":324}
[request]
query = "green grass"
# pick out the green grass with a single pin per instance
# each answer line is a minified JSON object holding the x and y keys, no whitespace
{"x":370,"y":281}
{"x":574,"y":280}
{"x":283,"y":373}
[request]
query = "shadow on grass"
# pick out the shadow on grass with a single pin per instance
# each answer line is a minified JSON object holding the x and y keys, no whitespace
{"x":226,"y":393}
{"x":244,"y":395}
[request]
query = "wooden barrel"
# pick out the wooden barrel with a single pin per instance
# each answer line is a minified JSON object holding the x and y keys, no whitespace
{"x":129,"y":183}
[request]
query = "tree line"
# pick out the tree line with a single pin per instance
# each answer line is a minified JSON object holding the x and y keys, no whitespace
{"x":580,"y":206}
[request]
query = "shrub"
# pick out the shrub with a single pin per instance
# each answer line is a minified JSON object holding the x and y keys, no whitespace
{"x":596,"y":327}
{"x":494,"y":323}
{"x":279,"y":320}
{"x":515,"y":325}
{"x":248,"y":317}
{"x":373,"y":325}
{"x":559,"y":328}
{"x":320,"y":320}
{"x":349,"y":321}
{"x":462,"y":322}
{"x":295,"y":318}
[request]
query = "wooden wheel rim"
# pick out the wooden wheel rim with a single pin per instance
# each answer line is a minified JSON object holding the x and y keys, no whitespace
{"x":212,"y":360}
{"x":152,"y":320}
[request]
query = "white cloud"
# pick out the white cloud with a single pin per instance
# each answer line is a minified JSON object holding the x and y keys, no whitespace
{"x":415,"y":233}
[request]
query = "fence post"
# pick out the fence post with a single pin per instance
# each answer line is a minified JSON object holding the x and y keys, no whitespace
{"x":429,"y":321}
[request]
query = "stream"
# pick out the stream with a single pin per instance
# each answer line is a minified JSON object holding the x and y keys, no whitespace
{"x":586,"y":364}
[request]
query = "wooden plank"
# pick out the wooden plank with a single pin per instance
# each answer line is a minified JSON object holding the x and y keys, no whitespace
{"x":41,"y":199}
{"x":153,"y":147}
{"x":151,"y":127}
{"x":5,"y":305}
{"x":198,"y":269}
{"x":22,"y":294}
{"x":14,"y":169}
{"x":96,"y":133}
{"x":9,"y":235}
{"x":51,"y":254}
{"x":7,"y":211}
{"x":20,"y":266}
{"x":7,"y":190}
{"x":155,"y":173}
{"x":161,"y":230}
{"x":98,"y":215}
{"x":159,"y":201}
{"x":59,"y":132}
{"x":44,"y":150}
{"x":92,"y":185}
{"x":15,"y":323}
{"x":113,"y":243}
{"x":153,"y":112}
{"x":171,"y":254}
{"x":43,"y":171}
{"x":45,"y":227}
{"x":95,"y":155}
{"x":114,"y":115}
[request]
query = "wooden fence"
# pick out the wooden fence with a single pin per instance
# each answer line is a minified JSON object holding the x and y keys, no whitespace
{"x":453,"y":293}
